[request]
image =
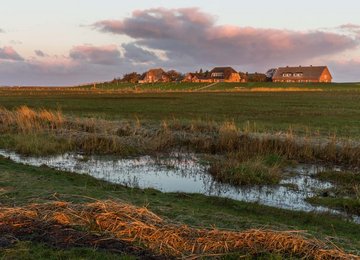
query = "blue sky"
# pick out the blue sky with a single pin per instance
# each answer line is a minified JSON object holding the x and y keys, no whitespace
{"x":69,"y":42}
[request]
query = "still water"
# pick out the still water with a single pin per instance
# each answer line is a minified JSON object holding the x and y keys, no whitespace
{"x":184,"y":173}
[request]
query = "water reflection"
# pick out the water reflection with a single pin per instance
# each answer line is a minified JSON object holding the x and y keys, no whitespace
{"x":184,"y":173}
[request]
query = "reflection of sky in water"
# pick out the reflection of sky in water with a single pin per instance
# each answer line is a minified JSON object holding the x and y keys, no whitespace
{"x":183,"y":173}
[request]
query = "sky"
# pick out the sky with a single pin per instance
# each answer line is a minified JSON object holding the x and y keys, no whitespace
{"x":72,"y":42}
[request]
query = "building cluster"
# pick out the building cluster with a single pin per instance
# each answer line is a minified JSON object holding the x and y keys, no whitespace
{"x":228,"y":74}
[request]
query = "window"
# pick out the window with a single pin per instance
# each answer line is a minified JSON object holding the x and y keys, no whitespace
{"x":298,"y":74}
{"x":287,"y":74}
{"x":217,"y":74}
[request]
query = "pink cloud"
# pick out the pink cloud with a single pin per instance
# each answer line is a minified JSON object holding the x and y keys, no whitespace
{"x":346,"y":70}
{"x":8,"y":53}
{"x":84,"y":63}
{"x":352,"y":29}
{"x":135,"y":54}
{"x":103,"y":55}
{"x":350,"y":26}
{"x":40,"y":53}
{"x":193,"y":36}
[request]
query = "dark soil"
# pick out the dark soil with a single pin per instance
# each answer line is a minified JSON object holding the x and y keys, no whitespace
{"x":65,"y":237}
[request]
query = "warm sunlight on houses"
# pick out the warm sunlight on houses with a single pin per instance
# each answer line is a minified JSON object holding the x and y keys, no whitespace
{"x":218,"y":74}
{"x":311,"y":74}
{"x":300,"y":74}
{"x":155,"y":75}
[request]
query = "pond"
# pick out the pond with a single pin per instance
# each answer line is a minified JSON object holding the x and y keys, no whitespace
{"x":185,"y":173}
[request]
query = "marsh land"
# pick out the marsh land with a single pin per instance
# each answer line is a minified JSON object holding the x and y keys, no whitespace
{"x":233,"y":157}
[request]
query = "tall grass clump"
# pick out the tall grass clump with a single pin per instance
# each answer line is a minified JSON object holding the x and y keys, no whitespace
{"x":25,"y":120}
{"x":254,"y":171}
{"x":37,"y":144}
{"x":228,"y":136}
{"x":345,"y":193}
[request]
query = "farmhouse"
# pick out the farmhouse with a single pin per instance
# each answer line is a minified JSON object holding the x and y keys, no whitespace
{"x":218,"y":74}
{"x":225,"y":74}
{"x":197,"y":77}
{"x":303,"y":74}
{"x":155,"y":75}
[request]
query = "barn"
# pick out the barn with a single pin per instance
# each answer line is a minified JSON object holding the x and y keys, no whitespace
{"x":311,"y":74}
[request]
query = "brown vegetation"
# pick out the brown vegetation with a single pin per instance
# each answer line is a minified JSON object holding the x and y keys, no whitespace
{"x":140,"y":226}
{"x":24,"y":119}
{"x":128,"y":137}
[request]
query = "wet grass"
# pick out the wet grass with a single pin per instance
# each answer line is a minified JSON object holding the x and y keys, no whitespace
{"x":345,"y":195}
{"x":344,"y":178}
{"x":37,"y":144}
{"x":220,"y":124}
{"x":347,"y":204}
{"x":29,"y":132}
{"x":255,"y":171}
{"x":29,"y":250}
{"x":193,"y":209}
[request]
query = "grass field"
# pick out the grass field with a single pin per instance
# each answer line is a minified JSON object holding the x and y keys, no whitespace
{"x":187,"y":86}
{"x":325,"y":113}
{"x":130,"y":119}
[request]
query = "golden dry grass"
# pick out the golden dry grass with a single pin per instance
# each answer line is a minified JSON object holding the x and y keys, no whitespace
{"x":228,"y":136}
{"x":132,"y":138}
{"x":139,"y":225}
{"x":25,"y":119}
{"x":289,"y":89}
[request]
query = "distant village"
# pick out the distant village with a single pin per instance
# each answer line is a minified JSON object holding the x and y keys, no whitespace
{"x":306,"y":74}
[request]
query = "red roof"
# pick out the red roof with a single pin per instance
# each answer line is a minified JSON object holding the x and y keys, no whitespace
{"x":304,"y":73}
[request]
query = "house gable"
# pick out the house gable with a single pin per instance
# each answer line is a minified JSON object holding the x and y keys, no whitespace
{"x":156,"y":75}
{"x":302,"y":74}
{"x":326,"y":76}
{"x":226,"y":74}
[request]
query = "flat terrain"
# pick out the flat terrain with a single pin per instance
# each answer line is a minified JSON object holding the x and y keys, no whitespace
{"x":21,"y":185}
{"x":332,"y":110}
{"x":157,"y":117}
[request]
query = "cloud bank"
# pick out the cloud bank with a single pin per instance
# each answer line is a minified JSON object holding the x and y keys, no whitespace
{"x":8,"y":53}
{"x":185,"y":39}
{"x":103,"y":55}
{"x":194,"y":35}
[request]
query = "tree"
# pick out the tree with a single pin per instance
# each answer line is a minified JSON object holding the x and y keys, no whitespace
{"x":257,"y":77}
{"x":174,"y":75}
{"x":132,"y":77}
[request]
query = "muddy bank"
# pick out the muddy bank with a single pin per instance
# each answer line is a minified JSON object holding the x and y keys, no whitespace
{"x":55,"y":235}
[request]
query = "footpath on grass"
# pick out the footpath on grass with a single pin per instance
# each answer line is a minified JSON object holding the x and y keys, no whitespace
{"x":208,"y":86}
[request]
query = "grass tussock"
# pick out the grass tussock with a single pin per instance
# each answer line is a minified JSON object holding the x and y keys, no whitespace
{"x":254,"y":171}
{"x":344,"y":195}
{"x":38,"y":144}
{"x":128,"y":137}
{"x":140,"y":226}
{"x":25,"y":120}
{"x":228,"y":136}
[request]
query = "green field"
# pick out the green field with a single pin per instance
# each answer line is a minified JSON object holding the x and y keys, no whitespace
{"x":186,"y":86}
{"x":155,"y":118}
{"x":334,"y":111}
